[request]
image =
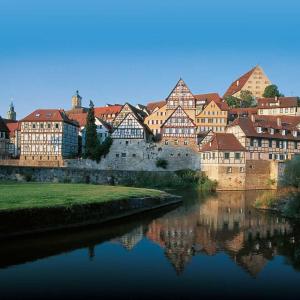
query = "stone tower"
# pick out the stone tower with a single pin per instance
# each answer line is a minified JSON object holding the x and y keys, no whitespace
{"x":11,"y":114}
{"x":76,"y":101}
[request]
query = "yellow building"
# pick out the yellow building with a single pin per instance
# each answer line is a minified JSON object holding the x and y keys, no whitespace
{"x":156,"y":119}
{"x":213,"y":117}
{"x":254,"y":81}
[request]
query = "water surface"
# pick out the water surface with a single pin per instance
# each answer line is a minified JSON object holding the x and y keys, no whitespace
{"x":208,"y":246}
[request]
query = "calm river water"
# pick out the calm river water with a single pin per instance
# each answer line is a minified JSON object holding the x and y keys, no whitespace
{"x":208,"y":246}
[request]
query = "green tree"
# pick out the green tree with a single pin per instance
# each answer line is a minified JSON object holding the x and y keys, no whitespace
{"x":233,"y":101}
{"x":91,"y":139}
{"x":247,"y":99}
{"x":291,"y":175}
{"x":272,"y":91}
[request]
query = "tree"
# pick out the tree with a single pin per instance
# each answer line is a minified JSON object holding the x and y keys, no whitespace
{"x":247,"y":99}
{"x":271,"y":91}
{"x":291,"y":175}
{"x":91,"y":139}
{"x":232,"y":101}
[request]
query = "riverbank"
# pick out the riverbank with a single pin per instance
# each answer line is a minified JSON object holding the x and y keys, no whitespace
{"x":285,"y":201}
{"x":37,"y":207}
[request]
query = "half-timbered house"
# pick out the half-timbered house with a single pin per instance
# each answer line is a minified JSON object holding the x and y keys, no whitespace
{"x":179,"y":129}
{"x":278,"y":106}
{"x":268,"y":137}
{"x":4,"y":140}
{"x":223,"y":158}
{"x":48,"y":135}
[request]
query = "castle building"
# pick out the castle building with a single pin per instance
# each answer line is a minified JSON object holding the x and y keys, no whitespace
{"x":278,"y":106}
{"x":268,"y":137}
{"x":254,"y":81}
{"x":48,"y":135}
{"x":11,"y":114}
{"x":76,"y":101}
{"x":4,"y":140}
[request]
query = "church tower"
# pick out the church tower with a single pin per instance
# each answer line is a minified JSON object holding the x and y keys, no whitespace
{"x":11,"y":114}
{"x":76,"y":101}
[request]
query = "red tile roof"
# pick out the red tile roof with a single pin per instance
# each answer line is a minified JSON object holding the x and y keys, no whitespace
{"x":107,"y":110}
{"x":46,"y":115}
{"x":243,"y":111}
{"x":208,"y":97}
{"x":280,"y":102}
{"x":238,"y":84}
{"x":223,"y":142}
{"x":152,"y":105}
{"x":288,"y":123}
{"x":79,"y":117}
{"x":12,"y":127}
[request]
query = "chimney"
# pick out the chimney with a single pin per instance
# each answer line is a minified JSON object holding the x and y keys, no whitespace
{"x":237,"y":83}
{"x":253,"y":118}
{"x":276,"y":98}
{"x":278,"y":122}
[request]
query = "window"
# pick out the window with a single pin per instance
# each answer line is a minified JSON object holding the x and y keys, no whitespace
{"x":126,"y":143}
{"x":270,"y":143}
{"x":33,"y":126}
{"x":270,"y":156}
{"x":133,"y":155}
{"x":237,"y":155}
{"x":229,"y":169}
{"x":259,"y":142}
{"x":242,"y":170}
{"x":226,"y":155}
{"x":123,"y":154}
{"x":186,"y":142}
{"x":251,"y":142}
{"x":166,"y":142}
{"x":56,"y":125}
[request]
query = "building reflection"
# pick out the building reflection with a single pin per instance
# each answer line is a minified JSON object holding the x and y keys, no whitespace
{"x":131,"y":239}
{"x":225,"y":222}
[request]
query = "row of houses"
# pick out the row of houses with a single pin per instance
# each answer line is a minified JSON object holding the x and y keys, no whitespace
{"x":226,"y":139}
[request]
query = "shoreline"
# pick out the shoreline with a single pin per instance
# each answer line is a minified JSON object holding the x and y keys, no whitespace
{"x":47,"y":219}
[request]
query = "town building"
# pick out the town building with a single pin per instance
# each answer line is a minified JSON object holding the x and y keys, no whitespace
{"x":4,"y":140}
{"x":238,"y":112}
{"x":48,"y":135}
{"x":223,"y":159}
{"x":14,"y":138}
{"x":213,"y":116}
{"x":108,"y":113}
{"x":278,"y":106}
{"x":179,"y":129}
{"x":125,"y":110}
{"x":11,"y":114}
{"x":267,"y":137}
{"x":254,"y":81}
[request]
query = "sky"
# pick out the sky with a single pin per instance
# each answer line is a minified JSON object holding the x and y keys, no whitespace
{"x":116,"y":51}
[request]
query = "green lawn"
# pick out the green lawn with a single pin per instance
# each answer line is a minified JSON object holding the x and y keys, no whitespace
{"x":34,"y":195}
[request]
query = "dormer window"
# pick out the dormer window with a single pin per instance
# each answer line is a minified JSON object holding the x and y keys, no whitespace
{"x":283,"y":132}
{"x":295,"y":133}
{"x":259,"y":129}
{"x":272,"y":131}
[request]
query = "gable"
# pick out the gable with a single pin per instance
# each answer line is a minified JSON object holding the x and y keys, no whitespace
{"x":180,"y":95}
{"x":179,"y":118}
{"x":129,"y":128}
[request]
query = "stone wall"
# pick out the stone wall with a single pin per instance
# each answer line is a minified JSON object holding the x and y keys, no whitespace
{"x":137,"y":155}
{"x":259,"y":175}
{"x":74,"y":175}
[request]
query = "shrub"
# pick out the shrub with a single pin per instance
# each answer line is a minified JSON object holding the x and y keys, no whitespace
{"x":162,"y":163}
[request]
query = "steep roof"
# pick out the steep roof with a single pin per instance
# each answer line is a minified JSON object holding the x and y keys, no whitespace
{"x":48,"y":115}
{"x":223,"y":142}
{"x":12,"y":127}
{"x":3,"y":126}
{"x":249,"y":126}
{"x":281,"y":102}
{"x":239,"y":83}
{"x":80,"y":118}
{"x":208,"y":97}
{"x":107,"y":110}
{"x":152,"y":105}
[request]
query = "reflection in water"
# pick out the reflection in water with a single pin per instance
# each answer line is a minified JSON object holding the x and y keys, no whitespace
{"x":201,"y":227}
{"x":224,"y":222}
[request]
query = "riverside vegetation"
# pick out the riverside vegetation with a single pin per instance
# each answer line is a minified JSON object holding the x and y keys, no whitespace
{"x":286,"y":200}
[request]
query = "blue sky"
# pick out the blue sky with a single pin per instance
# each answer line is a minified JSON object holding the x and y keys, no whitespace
{"x":115,"y":51}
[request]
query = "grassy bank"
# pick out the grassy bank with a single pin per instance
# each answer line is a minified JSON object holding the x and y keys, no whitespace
{"x":286,"y":201}
{"x":41,"y":195}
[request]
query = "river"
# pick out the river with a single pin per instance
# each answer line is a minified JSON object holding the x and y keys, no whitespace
{"x":209,"y":246}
